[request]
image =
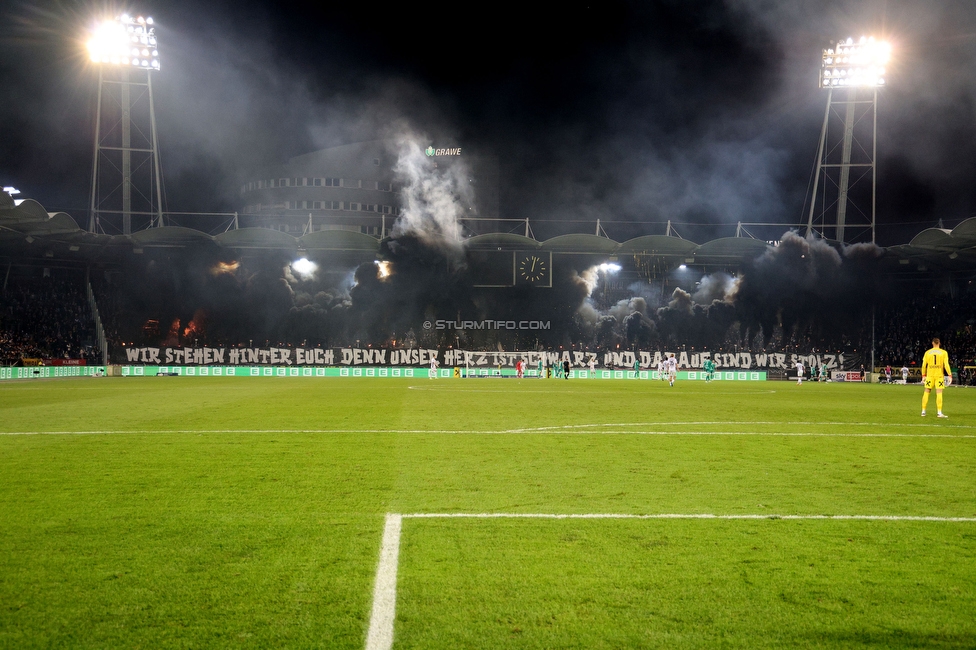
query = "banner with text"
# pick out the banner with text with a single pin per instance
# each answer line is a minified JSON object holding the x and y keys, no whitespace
{"x":640,"y":360}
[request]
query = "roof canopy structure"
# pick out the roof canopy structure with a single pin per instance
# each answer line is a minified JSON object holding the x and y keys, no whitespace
{"x":939,"y":248}
{"x":27,"y":230}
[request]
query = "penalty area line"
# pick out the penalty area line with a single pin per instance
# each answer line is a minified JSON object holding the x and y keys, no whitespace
{"x":380,"y":635}
{"x":579,"y":430}
{"x":383,"y":614}
{"x":536,"y":515}
{"x":622,"y":428}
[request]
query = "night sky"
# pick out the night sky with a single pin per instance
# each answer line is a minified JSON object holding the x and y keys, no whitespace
{"x":698,"y":111}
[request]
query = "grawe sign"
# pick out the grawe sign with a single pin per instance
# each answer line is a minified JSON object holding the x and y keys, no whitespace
{"x":431,"y":151}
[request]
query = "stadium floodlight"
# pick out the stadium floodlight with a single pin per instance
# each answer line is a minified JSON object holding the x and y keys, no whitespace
{"x":304,"y":267}
{"x":609,"y":267}
{"x":125,"y":41}
{"x":122,"y":49}
{"x":856,"y":70}
{"x":851,"y":63}
{"x":12,"y":191}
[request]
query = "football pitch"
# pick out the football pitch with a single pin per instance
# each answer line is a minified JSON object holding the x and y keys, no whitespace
{"x":484,"y":513}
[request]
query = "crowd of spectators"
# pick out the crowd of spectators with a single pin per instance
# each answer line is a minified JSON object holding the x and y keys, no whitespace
{"x":905,"y":332}
{"x":49,"y":318}
{"x":44,"y":318}
{"x":902,"y":334}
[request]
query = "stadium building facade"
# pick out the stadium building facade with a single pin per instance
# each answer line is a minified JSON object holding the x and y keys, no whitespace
{"x":341,"y":188}
{"x":351,"y":187}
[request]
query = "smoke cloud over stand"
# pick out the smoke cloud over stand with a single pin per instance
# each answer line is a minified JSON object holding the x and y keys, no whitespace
{"x":800,"y":292}
{"x":433,"y":199}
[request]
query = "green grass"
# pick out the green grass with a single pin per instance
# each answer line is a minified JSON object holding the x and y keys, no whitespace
{"x":219,"y":512}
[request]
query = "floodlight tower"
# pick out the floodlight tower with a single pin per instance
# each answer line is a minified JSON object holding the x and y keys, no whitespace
{"x":126,"y":178}
{"x":852,"y":72}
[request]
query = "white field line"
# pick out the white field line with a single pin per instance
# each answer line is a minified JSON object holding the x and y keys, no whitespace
{"x":733,"y":422}
{"x":533,"y":515}
{"x":380,"y":635}
{"x":621,"y":428}
{"x":771,"y":434}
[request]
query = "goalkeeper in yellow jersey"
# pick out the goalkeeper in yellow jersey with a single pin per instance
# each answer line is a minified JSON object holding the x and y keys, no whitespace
{"x":937,"y":374}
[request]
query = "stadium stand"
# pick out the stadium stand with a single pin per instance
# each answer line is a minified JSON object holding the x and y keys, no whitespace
{"x":45,"y":318}
{"x":905,"y":329}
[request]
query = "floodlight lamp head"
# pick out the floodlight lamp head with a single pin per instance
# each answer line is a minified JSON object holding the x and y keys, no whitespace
{"x":124,"y":41}
{"x":304,"y":267}
{"x":849,"y":64}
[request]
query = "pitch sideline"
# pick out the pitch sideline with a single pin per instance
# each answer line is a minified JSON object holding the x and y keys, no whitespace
{"x":623,"y":428}
{"x":383,"y":615}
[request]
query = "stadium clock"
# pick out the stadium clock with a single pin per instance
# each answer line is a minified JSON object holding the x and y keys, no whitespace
{"x":535,"y":269}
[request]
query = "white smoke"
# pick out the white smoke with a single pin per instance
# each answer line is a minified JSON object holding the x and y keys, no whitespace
{"x":717,"y":286}
{"x":433,"y":199}
{"x":628,"y":306}
{"x":590,"y":313}
{"x":590,"y":278}
{"x":642,"y":303}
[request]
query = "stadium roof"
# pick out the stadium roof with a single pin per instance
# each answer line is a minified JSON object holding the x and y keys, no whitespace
{"x":657,"y":245}
{"x":501,"y":241}
{"x":28,"y":230}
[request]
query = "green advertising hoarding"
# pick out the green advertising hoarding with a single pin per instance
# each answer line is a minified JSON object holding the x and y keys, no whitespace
{"x":50,"y":372}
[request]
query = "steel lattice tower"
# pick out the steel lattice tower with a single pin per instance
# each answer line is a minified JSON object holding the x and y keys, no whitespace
{"x":126,"y":184}
{"x":845,"y":183}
